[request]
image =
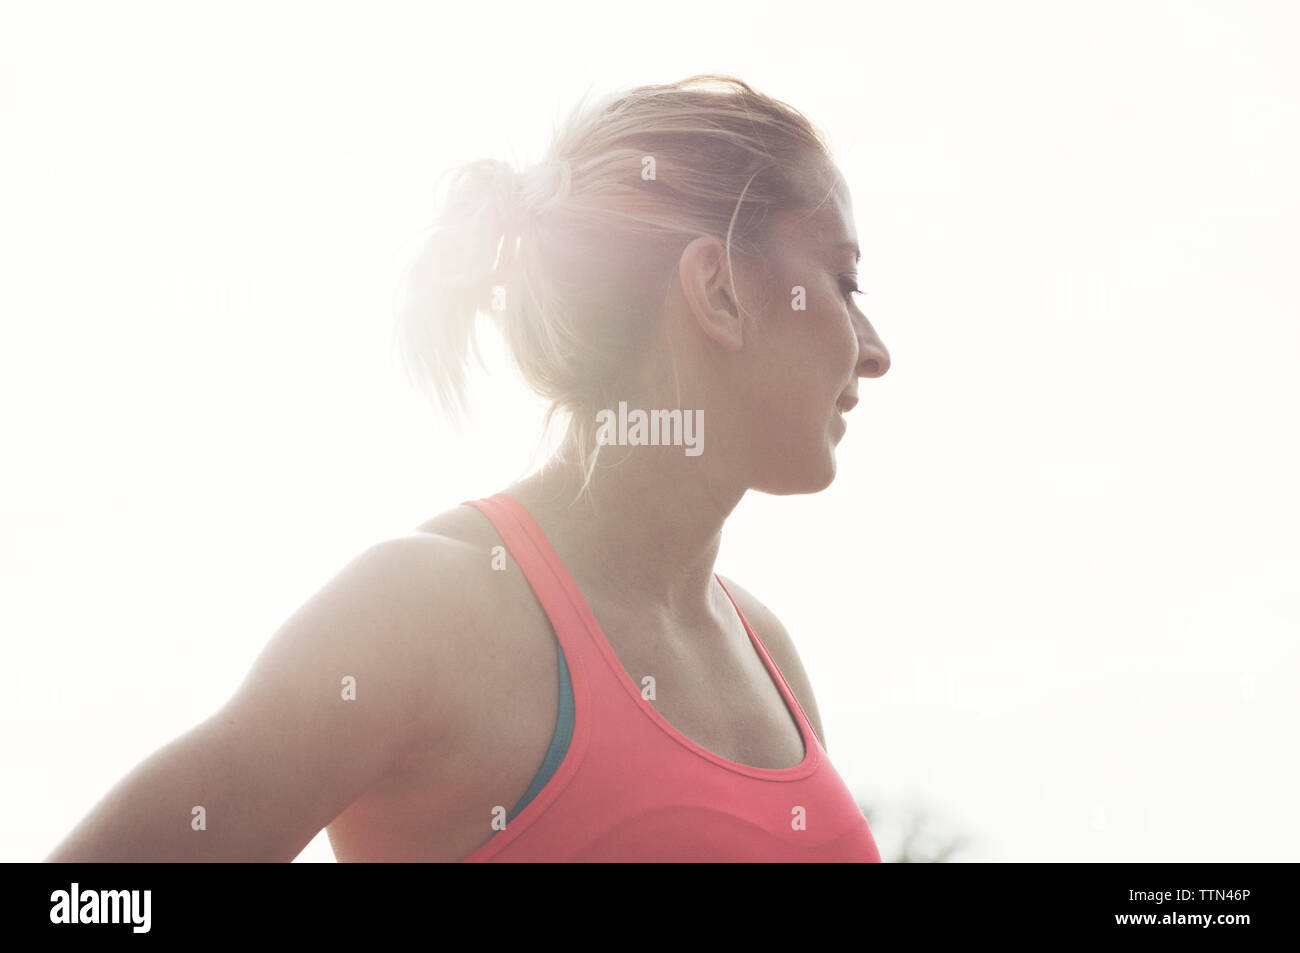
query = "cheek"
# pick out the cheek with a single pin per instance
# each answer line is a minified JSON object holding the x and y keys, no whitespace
{"x":782,"y":397}
{"x":832,"y":351}
{"x":803,"y":362}
{"x":845,"y":345}
{"x":841,"y":356}
{"x":796,"y":401}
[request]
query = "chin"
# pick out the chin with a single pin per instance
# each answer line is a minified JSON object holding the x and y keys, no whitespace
{"x":828,"y":477}
{"x":809,"y":479}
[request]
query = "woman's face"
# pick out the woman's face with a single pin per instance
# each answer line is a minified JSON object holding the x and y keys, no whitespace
{"x":808,"y":345}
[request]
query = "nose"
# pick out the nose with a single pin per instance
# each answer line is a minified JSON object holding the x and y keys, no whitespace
{"x":873,"y":356}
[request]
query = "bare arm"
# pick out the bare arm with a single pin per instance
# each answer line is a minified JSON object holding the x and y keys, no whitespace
{"x":289,"y":751}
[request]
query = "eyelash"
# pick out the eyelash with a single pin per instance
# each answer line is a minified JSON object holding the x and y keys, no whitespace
{"x":850,"y":287}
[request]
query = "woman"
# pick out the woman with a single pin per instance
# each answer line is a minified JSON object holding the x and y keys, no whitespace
{"x":677,"y":279}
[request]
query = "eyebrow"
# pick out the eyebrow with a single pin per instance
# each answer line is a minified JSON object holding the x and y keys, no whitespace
{"x":857,"y":252}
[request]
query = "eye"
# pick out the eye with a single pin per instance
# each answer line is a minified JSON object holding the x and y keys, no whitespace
{"x":849,"y":285}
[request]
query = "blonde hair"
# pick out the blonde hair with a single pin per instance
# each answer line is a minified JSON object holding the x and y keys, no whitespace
{"x":572,"y":258}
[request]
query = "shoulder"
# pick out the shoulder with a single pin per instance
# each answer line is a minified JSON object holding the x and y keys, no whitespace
{"x":463,"y":525}
{"x":409,"y":582}
{"x":398,"y":617}
{"x":384,"y":635}
{"x":401,"y":599}
{"x":781,"y":647}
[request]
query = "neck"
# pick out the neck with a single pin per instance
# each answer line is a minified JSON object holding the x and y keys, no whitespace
{"x":647,"y":532}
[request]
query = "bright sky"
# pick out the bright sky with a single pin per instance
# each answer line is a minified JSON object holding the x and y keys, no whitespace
{"x":1051,"y":596}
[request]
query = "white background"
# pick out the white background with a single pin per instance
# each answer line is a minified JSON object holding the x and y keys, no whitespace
{"x":1050,"y":598}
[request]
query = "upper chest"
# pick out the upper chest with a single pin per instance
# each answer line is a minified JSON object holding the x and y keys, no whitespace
{"x":696,"y":666}
{"x":705,"y":678}
{"x":703,"y":674}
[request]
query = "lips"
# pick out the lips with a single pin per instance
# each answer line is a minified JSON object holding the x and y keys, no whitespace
{"x":846,"y":403}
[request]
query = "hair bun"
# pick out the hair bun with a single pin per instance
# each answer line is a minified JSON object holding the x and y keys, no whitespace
{"x":544,"y":186}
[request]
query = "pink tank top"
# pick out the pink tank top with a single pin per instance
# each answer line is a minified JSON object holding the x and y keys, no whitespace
{"x":631,"y":788}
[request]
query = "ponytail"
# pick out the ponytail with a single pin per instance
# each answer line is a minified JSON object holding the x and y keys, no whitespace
{"x":451,"y":280}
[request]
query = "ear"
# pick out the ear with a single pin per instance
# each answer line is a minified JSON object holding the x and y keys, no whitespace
{"x":706,"y":284}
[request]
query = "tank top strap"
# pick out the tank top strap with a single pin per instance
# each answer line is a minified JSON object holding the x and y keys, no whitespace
{"x":774,"y":670}
{"x":550,"y":583}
